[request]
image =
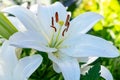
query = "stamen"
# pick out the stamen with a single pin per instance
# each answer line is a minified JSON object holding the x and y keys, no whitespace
{"x":68,"y":24}
{"x":53,"y":24}
{"x":54,"y":28}
{"x":67,"y":20}
{"x":52,"y":21}
{"x":63,"y":32}
{"x":56,"y":17}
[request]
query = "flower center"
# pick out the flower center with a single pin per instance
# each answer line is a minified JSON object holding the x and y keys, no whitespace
{"x":60,"y":23}
{"x":60,"y":27}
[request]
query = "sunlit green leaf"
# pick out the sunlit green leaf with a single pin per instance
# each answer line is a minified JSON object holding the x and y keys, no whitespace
{"x":6,"y":27}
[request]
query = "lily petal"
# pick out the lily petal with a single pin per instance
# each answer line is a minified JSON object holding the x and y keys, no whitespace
{"x":67,"y":65}
{"x":51,"y":10}
{"x":30,"y":39}
{"x":8,"y":55}
{"x":85,"y":69}
{"x":85,"y":45}
{"x":27,"y":18}
{"x":91,"y":60}
{"x":2,"y":73}
{"x":8,"y":60}
{"x":105,"y":73}
{"x":82,"y":59}
{"x":33,"y":8}
{"x":26,"y":66}
{"x":84,"y":22}
{"x":17,"y":24}
{"x":56,"y":68}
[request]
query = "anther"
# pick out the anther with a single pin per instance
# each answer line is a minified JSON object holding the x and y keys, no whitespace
{"x":67,"y":20}
{"x":68,"y":24}
{"x":64,"y":32}
{"x":56,"y":17}
{"x":54,"y":28}
{"x":53,"y":24}
{"x":52,"y":21}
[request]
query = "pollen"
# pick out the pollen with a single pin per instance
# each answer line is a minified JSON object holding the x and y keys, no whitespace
{"x":61,"y":23}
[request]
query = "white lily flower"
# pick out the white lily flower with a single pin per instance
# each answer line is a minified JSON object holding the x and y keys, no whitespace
{"x":13,"y":69}
{"x":105,"y":73}
{"x":19,"y":26}
{"x":50,"y":30}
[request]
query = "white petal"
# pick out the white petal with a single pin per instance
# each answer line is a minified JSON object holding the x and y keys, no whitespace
{"x":85,"y":45}
{"x":82,"y":59}
{"x":29,"y":19}
{"x":17,"y":23}
{"x":91,"y":60}
{"x":8,"y":60}
{"x":85,"y":69}
{"x":25,"y":16}
{"x":2,"y":73}
{"x":105,"y":73}
{"x":33,"y":8}
{"x":0,"y":49}
{"x":56,"y":68}
{"x":44,"y":2}
{"x":46,"y":19}
{"x":30,"y":39}
{"x":88,"y":60}
{"x":84,"y":22}
{"x":26,"y":66}
{"x":8,"y":56}
{"x":67,"y":65}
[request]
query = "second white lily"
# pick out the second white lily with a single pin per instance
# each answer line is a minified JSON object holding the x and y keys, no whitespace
{"x":13,"y":69}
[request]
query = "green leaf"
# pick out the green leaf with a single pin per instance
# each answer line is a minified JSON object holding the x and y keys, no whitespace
{"x":93,"y":73}
{"x":6,"y":27}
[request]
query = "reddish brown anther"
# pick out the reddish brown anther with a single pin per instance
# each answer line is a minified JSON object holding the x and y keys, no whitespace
{"x":67,"y":20}
{"x":54,"y":28}
{"x":52,"y":21}
{"x":56,"y":17}
{"x":64,"y":31}
{"x":68,"y":24}
{"x":53,"y":24}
